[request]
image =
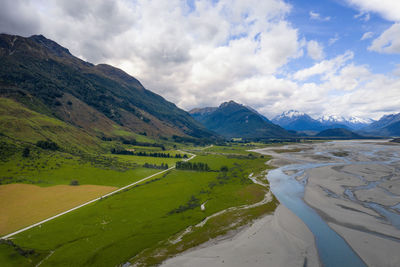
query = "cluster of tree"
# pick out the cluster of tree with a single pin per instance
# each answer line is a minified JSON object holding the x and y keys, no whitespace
{"x":147,"y":154}
{"x":121,"y":151}
{"x":191,"y":204}
{"x":196,"y":166}
{"x":49,"y":145}
{"x":105,"y":138}
{"x":159,"y":155}
{"x":155,"y":166}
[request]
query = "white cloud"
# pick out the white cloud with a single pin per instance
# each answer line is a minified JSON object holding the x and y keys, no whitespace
{"x":346,"y":89}
{"x":388,"y":41}
{"x":388,"y":9}
{"x":317,"y":16}
{"x":396,"y":71}
{"x":367,"y":35}
{"x":324,"y":67}
{"x":315,"y":50}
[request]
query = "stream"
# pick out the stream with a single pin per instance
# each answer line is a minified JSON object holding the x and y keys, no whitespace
{"x":333,"y":250}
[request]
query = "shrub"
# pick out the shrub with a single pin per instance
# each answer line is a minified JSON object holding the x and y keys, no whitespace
{"x":25,"y":152}
{"x":224,"y":169}
{"x":49,"y":145}
{"x":74,"y":182}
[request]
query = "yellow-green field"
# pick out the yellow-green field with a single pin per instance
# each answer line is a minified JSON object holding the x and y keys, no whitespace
{"x":25,"y":204}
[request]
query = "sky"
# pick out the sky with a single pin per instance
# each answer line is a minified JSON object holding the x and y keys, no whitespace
{"x":322,"y":57}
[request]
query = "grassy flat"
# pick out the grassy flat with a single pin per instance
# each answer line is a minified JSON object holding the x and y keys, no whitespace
{"x":24,"y":204}
{"x":116,"y":229}
{"x":55,"y":168}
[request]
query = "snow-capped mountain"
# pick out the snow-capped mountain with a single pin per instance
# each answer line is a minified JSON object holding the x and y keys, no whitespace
{"x":300,"y":121}
{"x":352,"y":122}
{"x":290,"y":114}
{"x":297,"y":121}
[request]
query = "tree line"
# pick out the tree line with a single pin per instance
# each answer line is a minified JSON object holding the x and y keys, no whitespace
{"x":196,"y":166}
{"x":148,"y":154}
{"x":155,"y":166}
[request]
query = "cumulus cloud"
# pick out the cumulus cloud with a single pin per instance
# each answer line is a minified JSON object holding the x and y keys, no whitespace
{"x":388,"y":41}
{"x":315,"y":50}
{"x":388,"y":9}
{"x":325,"y":67}
{"x":345,"y":88}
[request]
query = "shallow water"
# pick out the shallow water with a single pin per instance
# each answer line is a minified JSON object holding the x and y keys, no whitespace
{"x":332,"y":248}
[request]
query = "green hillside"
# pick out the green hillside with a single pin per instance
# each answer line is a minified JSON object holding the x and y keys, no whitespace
{"x":48,"y":79}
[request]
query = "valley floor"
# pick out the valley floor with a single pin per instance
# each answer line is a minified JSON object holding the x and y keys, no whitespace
{"x":136,"y":223}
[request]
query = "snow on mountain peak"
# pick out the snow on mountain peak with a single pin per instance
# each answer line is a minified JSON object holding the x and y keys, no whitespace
{"x":341,"y":119}
{"x":291,"y":114}
{"x":359,"y":120}
{"x":331,"y":118}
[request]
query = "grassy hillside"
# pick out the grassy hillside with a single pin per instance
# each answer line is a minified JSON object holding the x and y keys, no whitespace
{"x":83,"y":94}
{"x":18,"y":124}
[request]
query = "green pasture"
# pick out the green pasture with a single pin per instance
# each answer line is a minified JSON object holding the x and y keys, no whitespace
{"x":116,"y":229}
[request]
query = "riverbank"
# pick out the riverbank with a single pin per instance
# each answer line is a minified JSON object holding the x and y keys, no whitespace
{"x":280,"y":239}
{"x":354,"y":187}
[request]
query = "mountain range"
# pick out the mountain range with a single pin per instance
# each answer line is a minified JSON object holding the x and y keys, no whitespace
{"x":299,"y":121}
{"x":231,"y":120}
{"x":46,"y":81}
{"x":388,"y":125}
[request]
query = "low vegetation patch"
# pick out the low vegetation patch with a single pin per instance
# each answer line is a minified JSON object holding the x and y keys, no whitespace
{"x":340,"y":153}
{"x":192,"y":203}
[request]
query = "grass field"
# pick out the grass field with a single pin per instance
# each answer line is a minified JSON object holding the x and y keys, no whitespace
{"x":37,"y":187}
{"x":119,"y":228}
{"x":24,"y":204}
{"x":47,"y":168}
